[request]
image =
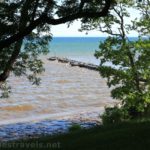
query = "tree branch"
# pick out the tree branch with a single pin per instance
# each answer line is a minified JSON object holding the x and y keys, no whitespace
{"x":51,"y":21}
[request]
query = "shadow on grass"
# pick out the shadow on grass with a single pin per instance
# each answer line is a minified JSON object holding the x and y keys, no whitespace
{"x":125,"y":136}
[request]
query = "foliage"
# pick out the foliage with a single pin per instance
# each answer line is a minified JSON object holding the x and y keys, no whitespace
{"x":75,"y":127}
{"x":29,"y":19}
{"x":114,"y":115}
{"x":22,"y":57}
{"x":22,"y":24}
{"x":125,"y":61}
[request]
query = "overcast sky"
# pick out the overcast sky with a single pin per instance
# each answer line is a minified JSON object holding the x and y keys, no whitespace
{"x":72,"y":31}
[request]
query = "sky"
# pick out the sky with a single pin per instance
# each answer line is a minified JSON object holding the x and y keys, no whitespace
{"x":72,"y":31}
{"x":63,"y":31}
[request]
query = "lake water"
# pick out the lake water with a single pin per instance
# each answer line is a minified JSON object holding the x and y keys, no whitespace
{"x":65,"y":91}
{"x":78,"y":48}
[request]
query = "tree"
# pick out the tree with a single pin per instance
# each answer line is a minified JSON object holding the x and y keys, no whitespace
{"x":43,"y":12}
{"x":128,"y":72}
{"x":23,"y":21}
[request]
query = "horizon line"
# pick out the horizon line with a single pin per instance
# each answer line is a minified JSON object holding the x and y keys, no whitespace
{"x":83,"y":36}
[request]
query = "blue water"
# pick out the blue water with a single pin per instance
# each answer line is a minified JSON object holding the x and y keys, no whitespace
{"x":77,"y":48}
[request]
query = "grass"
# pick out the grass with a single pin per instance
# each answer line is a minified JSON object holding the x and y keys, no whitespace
{"x":127,"y":136}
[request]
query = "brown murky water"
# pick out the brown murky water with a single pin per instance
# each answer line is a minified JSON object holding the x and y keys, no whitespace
{"x":64,"y":91}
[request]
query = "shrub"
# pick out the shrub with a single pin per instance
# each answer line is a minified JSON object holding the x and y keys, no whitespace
{"x":75,"y":127}
{"x":114,"y":115}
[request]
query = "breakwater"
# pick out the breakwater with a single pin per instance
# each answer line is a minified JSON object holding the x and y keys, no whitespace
{"x":75,"y":63}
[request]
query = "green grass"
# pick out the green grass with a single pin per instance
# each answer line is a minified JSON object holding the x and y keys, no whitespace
{"x":127,"y":136}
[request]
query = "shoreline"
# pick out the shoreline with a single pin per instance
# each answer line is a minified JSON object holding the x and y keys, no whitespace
{"x":25,"y":130}
{"x":83,"y":106}
{"x":50,"y":125}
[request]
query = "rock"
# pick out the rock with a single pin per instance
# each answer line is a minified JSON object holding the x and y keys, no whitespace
{"x":92,"y":67}
{"x":75,"y":63}
{"x":88,"y":66}
{"x":63,"y":60}
{"x":52,"y":58}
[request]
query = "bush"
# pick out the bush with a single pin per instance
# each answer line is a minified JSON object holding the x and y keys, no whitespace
{"x":75,"y":127}
{"x":114,"y":115}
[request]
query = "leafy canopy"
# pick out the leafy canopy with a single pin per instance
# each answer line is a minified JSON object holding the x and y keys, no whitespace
{"x":128,"y":72}
{"x":22,"y":23}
